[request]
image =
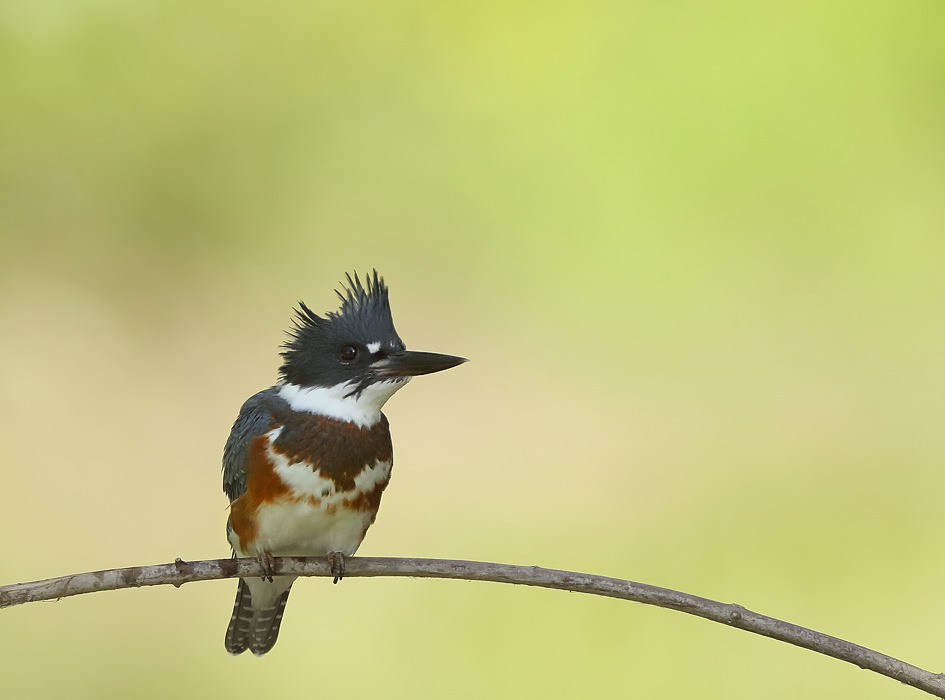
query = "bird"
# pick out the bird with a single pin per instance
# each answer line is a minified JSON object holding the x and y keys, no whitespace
{"x":307,"y":460}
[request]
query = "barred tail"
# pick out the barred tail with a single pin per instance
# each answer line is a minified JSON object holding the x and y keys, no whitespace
{"x":255,"y":625}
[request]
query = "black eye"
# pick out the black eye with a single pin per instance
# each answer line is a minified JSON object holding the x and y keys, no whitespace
{"x":348,"y":353}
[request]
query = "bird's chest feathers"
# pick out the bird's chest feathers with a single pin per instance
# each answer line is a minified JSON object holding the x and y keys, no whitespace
{"x":330,"y":466}
{"x":320,"y":456}
{"x":321,"y":482}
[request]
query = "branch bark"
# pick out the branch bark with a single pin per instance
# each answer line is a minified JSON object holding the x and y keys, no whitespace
{"x":181,"y":572}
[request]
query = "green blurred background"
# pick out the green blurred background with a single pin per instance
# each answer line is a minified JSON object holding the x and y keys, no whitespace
{"x":694,"y":251}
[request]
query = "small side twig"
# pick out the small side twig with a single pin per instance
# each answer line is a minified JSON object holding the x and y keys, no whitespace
{"x":181,"y":572}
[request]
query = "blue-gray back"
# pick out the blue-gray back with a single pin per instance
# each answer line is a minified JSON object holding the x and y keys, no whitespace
{"x":254,"y":419}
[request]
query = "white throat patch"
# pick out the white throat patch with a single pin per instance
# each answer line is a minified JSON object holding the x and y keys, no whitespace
{"x":362,"y":409}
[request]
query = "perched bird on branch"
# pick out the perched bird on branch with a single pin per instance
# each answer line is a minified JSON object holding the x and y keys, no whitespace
{"x":308,"y":459}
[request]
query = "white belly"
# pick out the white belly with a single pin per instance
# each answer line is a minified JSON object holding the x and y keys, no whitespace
{"x":299,"y":528}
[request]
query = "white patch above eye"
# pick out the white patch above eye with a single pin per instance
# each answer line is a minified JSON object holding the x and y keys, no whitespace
{"x":363,"y":409}
{"x":374,"y":347}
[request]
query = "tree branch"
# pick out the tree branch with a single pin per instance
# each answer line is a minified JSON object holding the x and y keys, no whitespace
{"x":181,"y":572}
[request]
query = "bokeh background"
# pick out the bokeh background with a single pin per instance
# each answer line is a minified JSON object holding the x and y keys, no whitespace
{"x":693,"y":250}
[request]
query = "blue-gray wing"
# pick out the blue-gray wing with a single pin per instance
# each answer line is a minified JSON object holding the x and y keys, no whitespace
{"x":255,"y":419}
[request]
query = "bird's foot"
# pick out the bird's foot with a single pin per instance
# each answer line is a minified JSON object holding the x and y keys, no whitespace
{"x":336,"y":565}
{"x":266,"y":563}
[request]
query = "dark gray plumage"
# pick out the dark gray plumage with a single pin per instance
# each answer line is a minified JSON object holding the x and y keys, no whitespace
{"x":310,"y":355}
{"x":253,"y":420}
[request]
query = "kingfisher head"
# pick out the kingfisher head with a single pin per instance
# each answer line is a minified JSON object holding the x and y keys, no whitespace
{"x":347,"y":363}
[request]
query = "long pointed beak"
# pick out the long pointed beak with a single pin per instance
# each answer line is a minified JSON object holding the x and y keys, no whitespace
{"x":410,"y":363}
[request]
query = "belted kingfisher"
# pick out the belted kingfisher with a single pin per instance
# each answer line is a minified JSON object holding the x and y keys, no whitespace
{"x":307,"y":460}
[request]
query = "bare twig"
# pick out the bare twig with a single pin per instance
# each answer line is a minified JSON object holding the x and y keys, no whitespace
{"x":181,"y":572}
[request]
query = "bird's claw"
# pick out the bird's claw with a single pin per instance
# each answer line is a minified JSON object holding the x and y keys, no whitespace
{"x":266,"y":563}
{"x":336,"y":565}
